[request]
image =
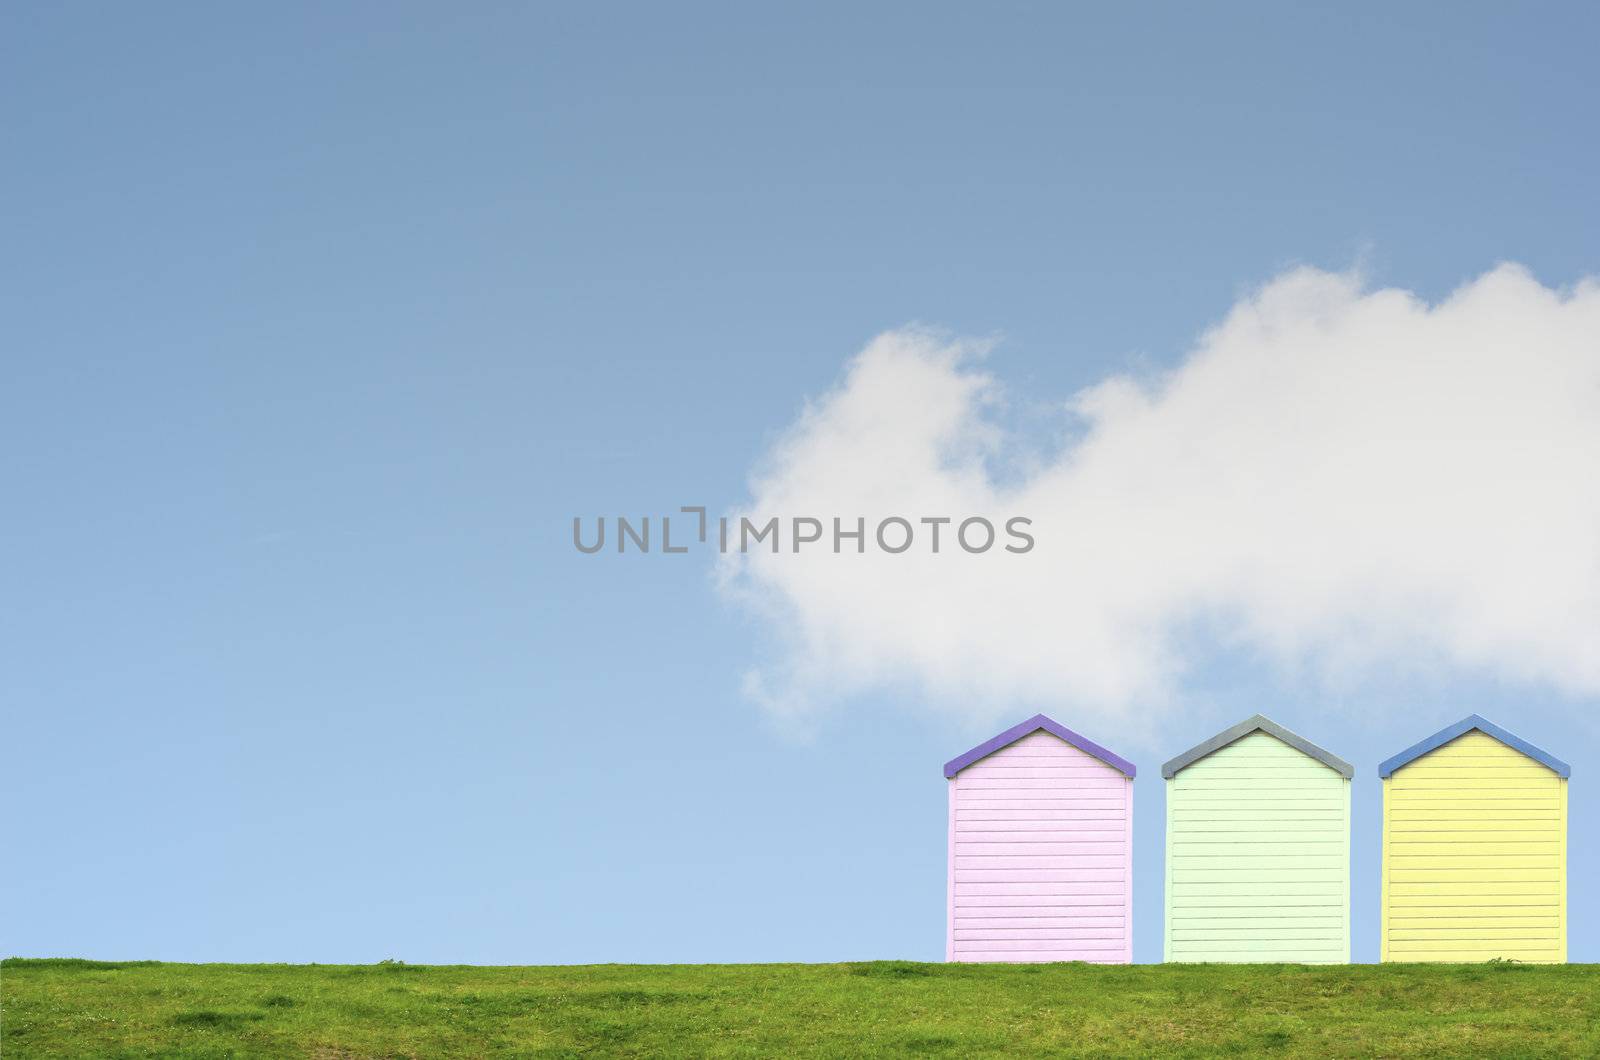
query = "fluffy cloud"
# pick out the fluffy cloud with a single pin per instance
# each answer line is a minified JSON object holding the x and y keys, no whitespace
{"x":1335,"y":478}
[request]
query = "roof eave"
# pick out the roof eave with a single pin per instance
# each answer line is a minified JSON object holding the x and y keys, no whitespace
{"x":1461,"y":728}
{"x":1032,"y":725}
{"x":1257,"y":723}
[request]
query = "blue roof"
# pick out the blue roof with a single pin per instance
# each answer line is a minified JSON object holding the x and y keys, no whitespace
{"x":1461,"y":728}
{"x":1033,"y":725}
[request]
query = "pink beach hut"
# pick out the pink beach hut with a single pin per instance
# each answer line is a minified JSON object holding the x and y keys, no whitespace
{"x":1041,"y":849}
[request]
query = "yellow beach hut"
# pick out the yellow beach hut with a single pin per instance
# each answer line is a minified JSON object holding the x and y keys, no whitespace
{"x":1474,"y":849}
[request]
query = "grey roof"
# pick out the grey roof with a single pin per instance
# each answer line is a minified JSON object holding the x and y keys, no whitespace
{"x":1258,"y":723}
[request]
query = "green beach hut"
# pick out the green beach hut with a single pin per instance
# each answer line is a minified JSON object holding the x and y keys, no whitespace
{"x":1258,"y":849}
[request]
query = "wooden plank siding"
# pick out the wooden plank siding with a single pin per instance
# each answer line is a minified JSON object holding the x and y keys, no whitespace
{"x":1040,"y":864}
{"x":1258,"y":857}
{"x":1474,"y":856}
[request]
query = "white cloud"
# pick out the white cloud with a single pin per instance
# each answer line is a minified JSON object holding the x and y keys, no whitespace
{"x":1334,"y":479}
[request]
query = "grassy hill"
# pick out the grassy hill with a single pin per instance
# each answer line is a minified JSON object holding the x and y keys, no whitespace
{"x":95,"y":1008}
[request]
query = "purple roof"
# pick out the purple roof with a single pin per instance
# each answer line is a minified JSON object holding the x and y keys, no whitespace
{"x":1032,"y":725}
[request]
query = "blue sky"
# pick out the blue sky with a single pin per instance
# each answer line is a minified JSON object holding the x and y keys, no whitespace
{"x":321,"y":325}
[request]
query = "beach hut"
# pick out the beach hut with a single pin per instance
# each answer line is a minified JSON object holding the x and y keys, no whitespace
{"x":1258,"y":849}
{"x":1474,"y":849}
{"x":1041,"y":851}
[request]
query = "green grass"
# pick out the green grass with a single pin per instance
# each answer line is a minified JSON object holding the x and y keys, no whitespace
{"x":95,"y":1008}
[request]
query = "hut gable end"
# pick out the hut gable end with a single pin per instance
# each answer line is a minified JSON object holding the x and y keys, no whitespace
{"x":1258,"y":850}
{"x":1040,"y":853}
{"x":1474,"y":849}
